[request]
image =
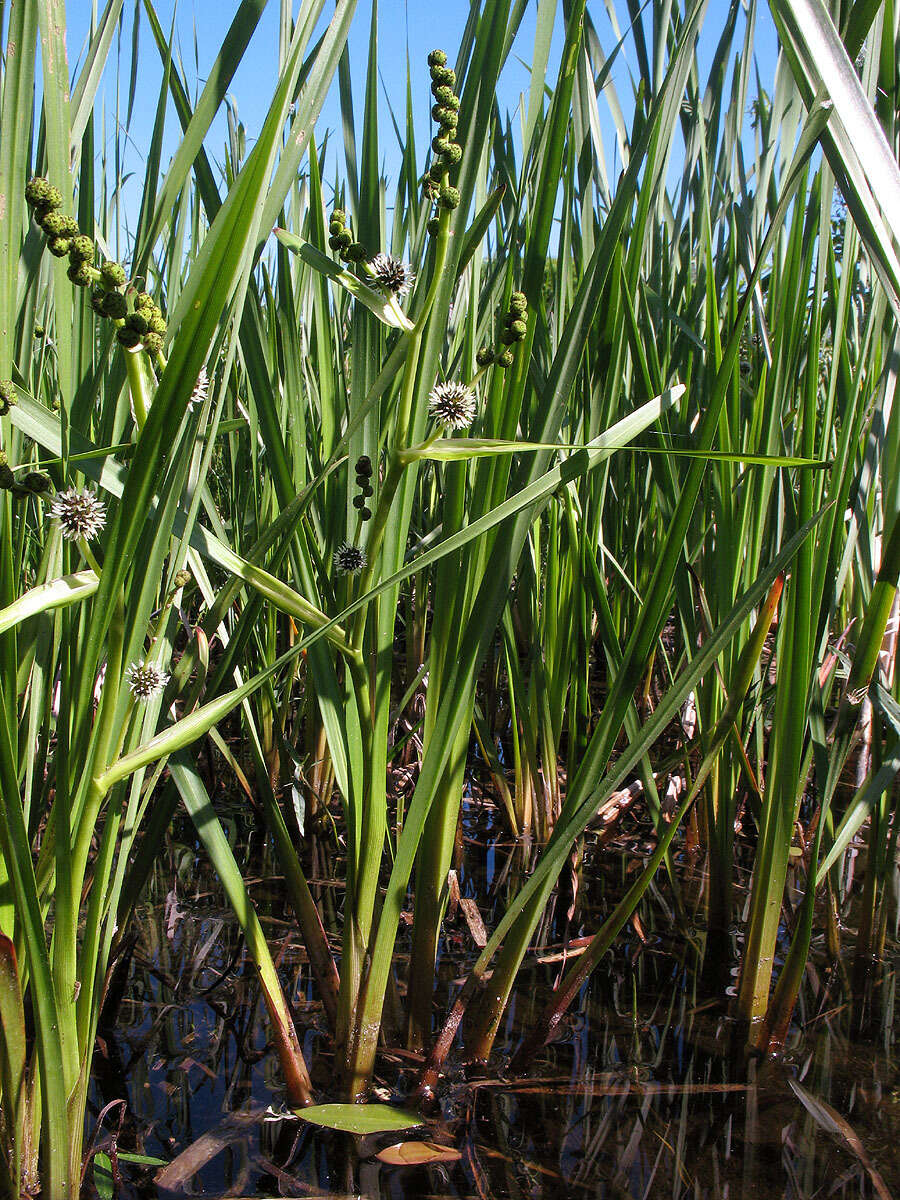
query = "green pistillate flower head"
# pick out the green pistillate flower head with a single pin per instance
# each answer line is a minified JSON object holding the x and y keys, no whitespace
{"x":485,"y":356}
{"x":443,"y":76}
{"x":7,"y":476}
{"x":349,"y":559}
{"x":80,"y":273}
{"x":452,"y":405}
{"x":82,"y":249}
{"x":181,"y":578}
{"x":145,"y":680}
{"x":80,"y":513}
{"x":41,"y":195}
{"x":139,"y":321}
{"x":356,"y":252}
{"x":453,"y":154}
{"x":506,"y":359}
{"x":54,"y":223}
{"x":441,"y":145}
{"x":128,"y":338}
{"x":112,"y":274}
{"x":143,"y":300}
{"x":59,"y":246}
{"x":153,"y":343}
{"x":392,"y":274}
{"x":518,"y":304}
{"x":449,"y":197}
{"x":114,"y":306}
{"x":437,"y":58}
{"x":7,"y":396}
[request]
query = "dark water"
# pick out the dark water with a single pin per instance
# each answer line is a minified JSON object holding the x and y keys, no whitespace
{"x":645,"y":1094}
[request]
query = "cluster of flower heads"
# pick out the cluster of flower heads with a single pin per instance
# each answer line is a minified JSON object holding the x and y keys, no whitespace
{"x":364,"y":483}
{"x":349,"y":559}
{"x":33,"y":483}
{"x":515,"y":327}
{"x":340,"y":239}
{"x":140,"y":322}
{"x":452,"y":405}
{"x":447,"y":151}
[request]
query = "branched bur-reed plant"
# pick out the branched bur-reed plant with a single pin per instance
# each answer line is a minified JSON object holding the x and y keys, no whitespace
{"x":107,"y":443}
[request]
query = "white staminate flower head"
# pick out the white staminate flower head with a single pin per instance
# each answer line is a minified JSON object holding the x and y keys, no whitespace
{"x":201,"y":387}
{"x":349,"y":559}
{"x":392,"y":274}
{"x":452,"y":405}
{"x":80,"y":513}
{"x":145,"y":679}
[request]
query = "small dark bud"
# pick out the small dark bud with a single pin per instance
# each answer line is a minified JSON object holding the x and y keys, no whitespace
{"x":37,"y":482}
{"x":138,"y":322}
{"x":367,"y":490}
{"x":127,"y":337}
{"x":485,"y":356}
{"x":433,"y":226}
{"x":82,"y":249}
{"x":98,"y":297}
{"x":344,"y":239}
{"x":364,"y":465}
{"x":366,"y":513}
{"x":508,"y":338}
{"x":39,"y":331}
{"x":59,"y":246}
{"x":437,"y":58}
{"x":112,"y":274}
{"x":153,"y":343}
{"x":114,"y":306}
{"x":506,"y":359}
{"x":358,"y":501}
{"x":449,"y":197}
{"x":80,"y":273}
{"x":7,"y":478}
{"x":356,"y":252}
{"x":334,"y":242}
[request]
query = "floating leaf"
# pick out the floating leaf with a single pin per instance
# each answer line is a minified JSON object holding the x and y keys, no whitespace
{"x":417,"y":1154}
{"x":360,"y":1118}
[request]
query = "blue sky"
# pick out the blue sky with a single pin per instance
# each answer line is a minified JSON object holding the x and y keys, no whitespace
{"x":410,"y":27}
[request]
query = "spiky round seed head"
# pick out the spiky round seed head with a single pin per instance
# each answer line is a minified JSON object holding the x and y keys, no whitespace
{"x":356,"y":252}
{"x":392,"y":274}
{"x":452,"y":405}
{"x":441,"y":145}
{"x":80,"y":273}
{"x":437,"y":58}
{"x":7,"y":396}
{"x":70,"y":228}
{"x":485,"y":356}
{"x":519,"y":328}
{"x":53,"y":223}
{"x":349,"y":559}
{"x":36,"y":190}
{"x":339,"y":215}
{"x":112,"y":274}
{"x":181,"y":578}
{"x":447,"y":118}
{"x":506,"y":359}
{"x":128,"y":338}
{"x":445,"y":96}
{"x":59,"y":246}
{"x":517,"y":303}
{"x":143,"y":300}
{"x":364,"y":465}
{"x":335,"y":227}
{"x":153,"y":343}
{"x":454,"y":153}
{"x":443,"y":76}
{"x":433,"y":226}
{"x":365,"y":513}
{"x":52,"y":199}
{"x":200,"y":390}
{"x":37,"y":482}
{"x":158,"y":325}
{"x":81,"y":514}
{"x":115,"y":306}
{"x":449,"y":197}
{"x":145,"y":680}
{"x":82,"y":249}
